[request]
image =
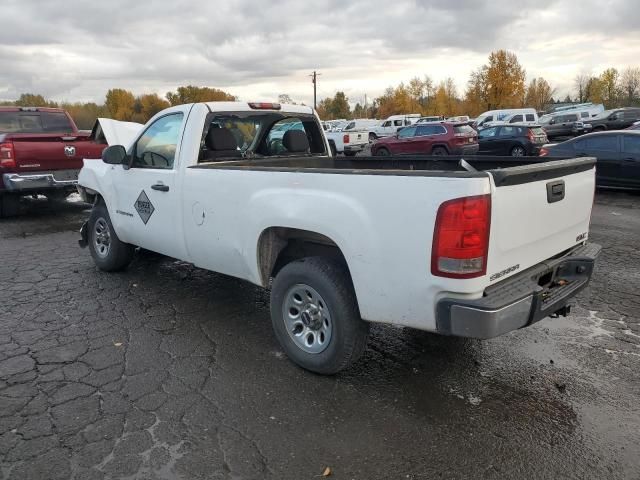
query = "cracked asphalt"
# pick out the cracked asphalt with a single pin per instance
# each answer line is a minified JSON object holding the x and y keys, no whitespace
{"x":166,"y":371}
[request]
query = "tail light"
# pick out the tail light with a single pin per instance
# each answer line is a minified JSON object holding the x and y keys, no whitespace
{"x":7,"y":156}
{"x":532,"y":136}
{"x":543,"y":152}
{"x":345,"y":138}
{"x":461,"y":238}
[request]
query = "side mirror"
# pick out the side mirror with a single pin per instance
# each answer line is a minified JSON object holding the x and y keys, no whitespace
{"x":114,"y":155}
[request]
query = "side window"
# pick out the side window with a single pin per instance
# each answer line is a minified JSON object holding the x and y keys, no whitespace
{"x":422,"y":131}
{"x":387,"y":123}
{"x":488,"y":132}
{"x":584,"y":114}
{"x":55,"y":122}
{"x":608,"y":143}
{"x":397,"y":123}
{"x":573,"y":118}
{"x":632,"y":144}
{"x":631,"y":114}
{"x":439,"y":130}
{"x":407,"y":132}
{"x":156,"y":148}
{"x":508,"y":131}
{"x":530,"y":117}
{"x":516,"y":119}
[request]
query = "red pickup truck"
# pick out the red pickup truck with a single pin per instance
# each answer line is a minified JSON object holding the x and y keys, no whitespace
{"x":41,"y":152}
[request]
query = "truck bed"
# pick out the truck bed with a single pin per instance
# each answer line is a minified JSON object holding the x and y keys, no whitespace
{"x":505,"y":170}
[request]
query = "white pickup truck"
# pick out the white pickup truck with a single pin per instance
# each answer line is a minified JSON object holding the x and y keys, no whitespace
{"x":437,"y":245}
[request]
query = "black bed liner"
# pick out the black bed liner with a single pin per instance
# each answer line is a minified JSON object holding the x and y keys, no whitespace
{"x":506,"y":171}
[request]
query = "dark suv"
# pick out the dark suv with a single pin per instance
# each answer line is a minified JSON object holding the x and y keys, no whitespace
{"x":564,"y":125}
{"x":516,"y":140}
{"x":615,"y":119}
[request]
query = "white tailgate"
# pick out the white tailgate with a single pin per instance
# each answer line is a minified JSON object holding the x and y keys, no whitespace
{"x":526,"y":229}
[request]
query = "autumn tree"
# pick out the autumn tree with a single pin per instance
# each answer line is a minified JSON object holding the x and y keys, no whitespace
{"x":505,"y":80}
{"x":147,"y":105}
{"x":609,"y":87}
{"x":476,"y":95}
{"x":33,"y":100}
{"x":193,"y":94}
{"x":539,"y":94}
{"x":630,"y":85}
{"x":85,"y":114}
{"x":593,"y":90}
{"x":580,"y":83}
{"x":333,"y":108}
{"x":120,"y":104}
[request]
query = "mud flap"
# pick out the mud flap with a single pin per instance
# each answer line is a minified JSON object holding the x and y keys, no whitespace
{"x":83,"y":241}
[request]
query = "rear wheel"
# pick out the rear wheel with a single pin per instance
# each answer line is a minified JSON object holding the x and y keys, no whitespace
{"x":518,"y":151}
{"x":315,"y":315}
{"x":9,"y":205}
{"x":108,"y":251}
{"x":383,"y":152}
{"x":439,"y":152}
{"x":350,"y":154}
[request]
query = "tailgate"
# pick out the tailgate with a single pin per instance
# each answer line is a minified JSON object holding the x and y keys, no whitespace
{"x":46,"y":152}
{"x":537,"y":212}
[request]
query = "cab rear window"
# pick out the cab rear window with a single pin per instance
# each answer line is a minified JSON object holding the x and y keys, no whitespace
{"x":19,"y":122}
{"x":34,"y":122}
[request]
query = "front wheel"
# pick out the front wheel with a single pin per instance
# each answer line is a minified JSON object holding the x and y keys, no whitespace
{"x":108,"y":251}
{"x":315,"y":315}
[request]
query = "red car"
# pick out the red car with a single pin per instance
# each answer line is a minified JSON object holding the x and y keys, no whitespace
{"x":437,"y":138}
{"x":41,"y":151}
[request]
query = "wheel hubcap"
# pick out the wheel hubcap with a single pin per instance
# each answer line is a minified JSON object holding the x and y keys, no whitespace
{"x":101,"y":237}
{"x":307,"y":319}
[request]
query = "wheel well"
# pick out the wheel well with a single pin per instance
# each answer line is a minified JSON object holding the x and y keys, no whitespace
{"x":279,"y":246}
{"x":441,"y":145}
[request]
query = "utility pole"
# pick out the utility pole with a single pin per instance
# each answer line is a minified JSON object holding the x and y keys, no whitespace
{"x":314,"y":80}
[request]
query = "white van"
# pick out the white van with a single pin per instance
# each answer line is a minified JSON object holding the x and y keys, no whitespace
{"x":358,"y":124}
{"x":512,"y":115}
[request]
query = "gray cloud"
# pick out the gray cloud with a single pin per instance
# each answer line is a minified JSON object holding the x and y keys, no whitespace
{"x":79,"y":49}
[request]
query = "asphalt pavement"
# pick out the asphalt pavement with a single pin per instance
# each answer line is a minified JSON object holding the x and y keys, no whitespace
{"x":166,"y":371}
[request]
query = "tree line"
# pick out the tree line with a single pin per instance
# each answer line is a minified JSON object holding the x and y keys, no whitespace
{"x":500,"y":83}
{"x":121,"y":104}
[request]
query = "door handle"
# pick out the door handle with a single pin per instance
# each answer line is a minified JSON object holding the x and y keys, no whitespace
{"x":629,"y":159}
{"x":160,"y":187}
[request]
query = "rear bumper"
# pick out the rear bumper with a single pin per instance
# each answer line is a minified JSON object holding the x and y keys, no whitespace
{"x":466,"y":150}
{"x":36,"y":181}
{"x":355,"y":148}
{"x":521,"y":300}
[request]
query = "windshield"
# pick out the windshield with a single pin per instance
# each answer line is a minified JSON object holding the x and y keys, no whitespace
{"x":604,"y":114}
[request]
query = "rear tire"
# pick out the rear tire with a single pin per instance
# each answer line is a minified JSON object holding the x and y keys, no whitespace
{"x":518,"y":151}
{"x":109,"y":253}
{"x":382,"y":152}
{"x":9,"y":205}
{"x":439,"y":152}
{"x":350,"y":154}
{"x":315,"y":315}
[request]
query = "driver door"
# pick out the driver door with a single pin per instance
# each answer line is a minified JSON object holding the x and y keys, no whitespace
{"x":147,"y":200}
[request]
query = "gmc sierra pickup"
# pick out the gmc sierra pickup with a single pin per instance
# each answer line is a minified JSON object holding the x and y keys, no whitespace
{"x":472,"y":248}
{"x":41,"y":152}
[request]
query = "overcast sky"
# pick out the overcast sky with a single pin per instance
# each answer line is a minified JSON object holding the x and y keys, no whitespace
{"x":76,"y":50}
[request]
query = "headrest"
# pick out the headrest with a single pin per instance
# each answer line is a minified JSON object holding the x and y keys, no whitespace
{"x":295,"y":141}
{"x":220,"y":139}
